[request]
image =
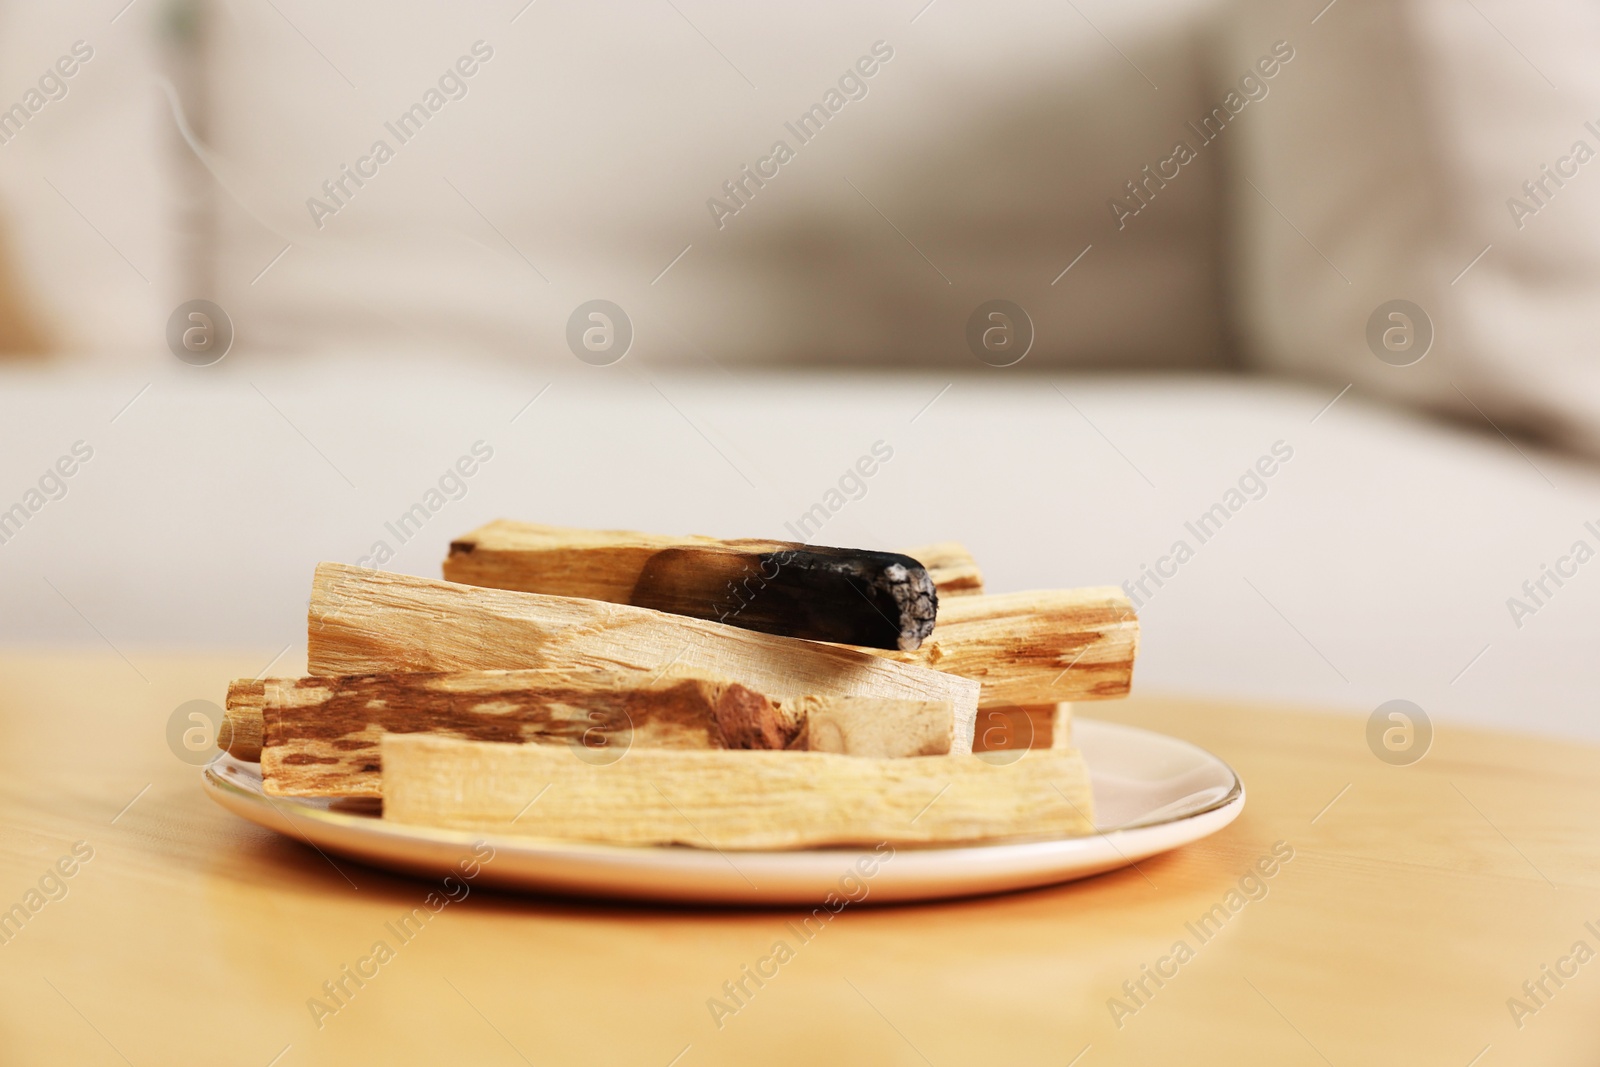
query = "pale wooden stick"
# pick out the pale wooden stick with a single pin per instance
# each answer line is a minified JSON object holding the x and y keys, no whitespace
{"x":1035,"y":648}
{"x":364,"y":622}
{"x":606,"y":564}
{"x":731,"y":800}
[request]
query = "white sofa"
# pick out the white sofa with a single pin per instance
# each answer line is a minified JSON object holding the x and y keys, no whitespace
{"x":1377,"y":565}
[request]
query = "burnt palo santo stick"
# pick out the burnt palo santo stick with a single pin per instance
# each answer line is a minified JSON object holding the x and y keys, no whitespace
{"x":1026,"y":648}
{"x":605,"y":564}
{"x":856,"y":597}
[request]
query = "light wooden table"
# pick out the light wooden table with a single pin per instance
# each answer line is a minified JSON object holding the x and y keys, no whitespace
{"x":1416,"y":904}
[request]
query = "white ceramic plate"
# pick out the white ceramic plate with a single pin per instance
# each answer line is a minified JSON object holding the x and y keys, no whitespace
{"x":1152,"y":793}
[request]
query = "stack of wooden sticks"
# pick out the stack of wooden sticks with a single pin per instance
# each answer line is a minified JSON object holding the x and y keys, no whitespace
{"x":636,"y":689}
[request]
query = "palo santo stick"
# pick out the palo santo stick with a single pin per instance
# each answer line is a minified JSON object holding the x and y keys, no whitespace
{"x":606,"y":564}
{"x":1035,"y":648}
{"x":321,"y":734}
{"x":851,"y":596}
{"x":731,"y":800}
{"x":364,"y":622}
{"x":480,"y":704}
{"x":332,"y":725}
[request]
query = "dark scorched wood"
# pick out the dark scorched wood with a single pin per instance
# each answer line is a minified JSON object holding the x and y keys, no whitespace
{"x":849,"y":596}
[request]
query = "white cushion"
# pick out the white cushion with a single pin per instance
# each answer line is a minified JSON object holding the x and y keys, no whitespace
{"x":1386,"y":163}
{"x":581,"y":160}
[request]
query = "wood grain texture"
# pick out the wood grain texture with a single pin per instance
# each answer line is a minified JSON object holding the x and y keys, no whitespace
{"x":366,"y":622}
{"x":1416,"y":904}
{"x":865,"y":726}
{"x":1010,"y":726}
{"x":321,"y":734}
{"x":1035,"y":647}
{"x":243,"y":719}
{"x":523,"y":702}
{"x":731,"y":800}
{"x":606,"y":564}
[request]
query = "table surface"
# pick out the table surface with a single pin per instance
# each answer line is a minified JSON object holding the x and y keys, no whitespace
{"x":1418,"y":901}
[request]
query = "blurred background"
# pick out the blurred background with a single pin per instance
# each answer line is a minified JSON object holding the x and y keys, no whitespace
{"x":1357,"y":237}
